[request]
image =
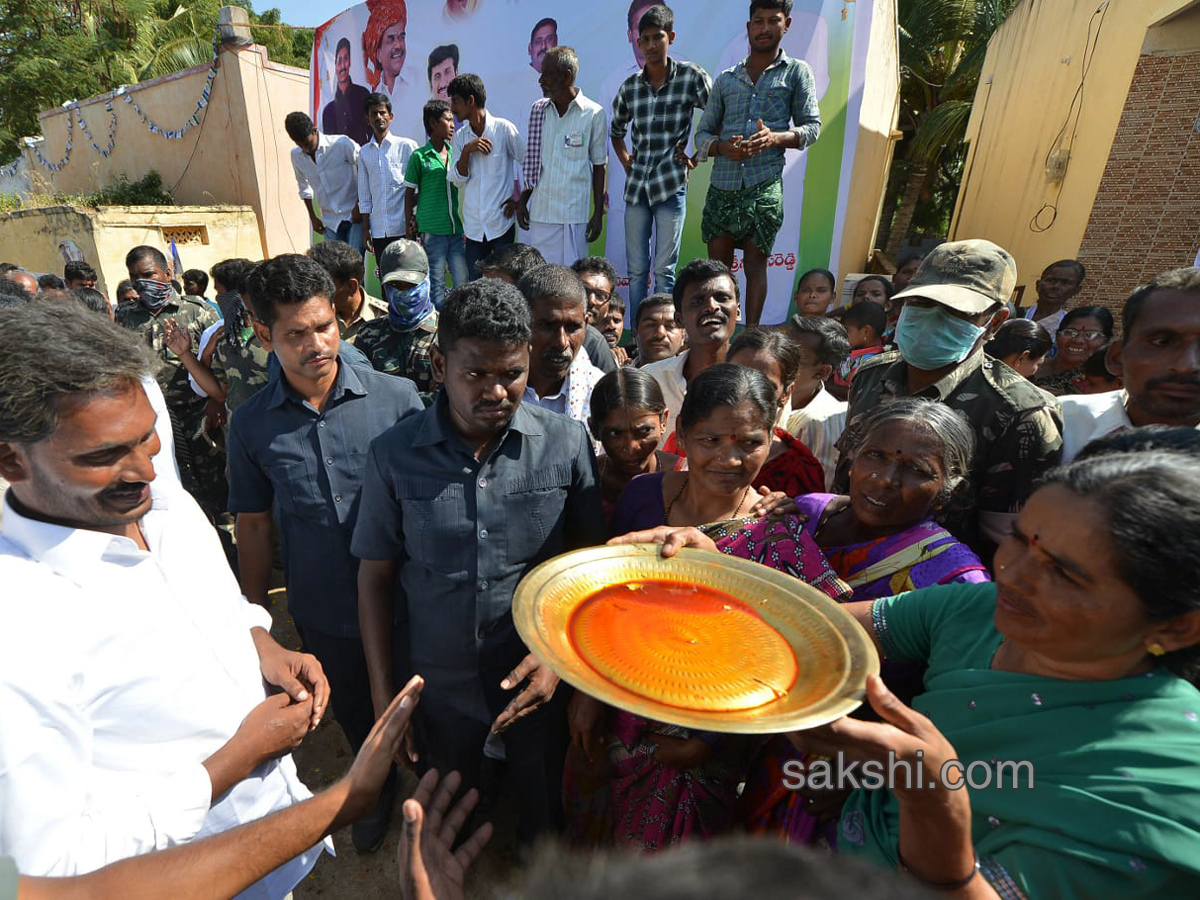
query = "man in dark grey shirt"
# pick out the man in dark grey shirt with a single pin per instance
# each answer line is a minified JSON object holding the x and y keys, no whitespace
{"x":299,"y":444}
{"x":459,"y":502}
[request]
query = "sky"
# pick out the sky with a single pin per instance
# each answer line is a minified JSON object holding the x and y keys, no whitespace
{"x":307,"y":13}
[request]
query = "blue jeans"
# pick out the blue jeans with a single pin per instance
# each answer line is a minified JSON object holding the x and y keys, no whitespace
{"x":443,"y":249}
{"x":666,"y":219}
{"x":348,"y":232}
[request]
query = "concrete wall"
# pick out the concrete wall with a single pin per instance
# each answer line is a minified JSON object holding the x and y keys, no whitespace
{"x":237,"y":155}
{"x":204,"y":235}
{"x":1023,"y":113}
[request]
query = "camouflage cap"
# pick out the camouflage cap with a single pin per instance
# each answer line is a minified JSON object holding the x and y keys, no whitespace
{"x":968,"y":276}
{"x":405,"y":261}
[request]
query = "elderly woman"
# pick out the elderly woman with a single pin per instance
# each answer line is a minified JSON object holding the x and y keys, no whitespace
{"x":1079,"y":661}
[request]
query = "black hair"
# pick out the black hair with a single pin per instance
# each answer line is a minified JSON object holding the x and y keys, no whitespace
{"x":542,"y":23}
{"x":286,"y":280}
{"x":51,"y":282}
{"x":439,"y":55}
{"x":12,"y":289}
{"x":701,"y":269}
{"x":1017,"y":336}
{"x":865,"y":313}
{"x":834,"y":348}
{"x":1099,"y":313}
{"x":888,"y":287}
{"x":431,"y":112}
{"x":298,"y":126}
{"x":339,"y":259}
{"x":77,"y":269}
{"x":825,"y":273}
{"x":514,"y":260}
{"x":375,"y":98}
{"x":486,"y":309}
{"x":658,"y":17}
{"x":145,"y":251}
{"x":1072,"y":264}
{"x":1186,"y":280}
{"x":199,"y":276}
{"x":1149,"y":499}
{"x":466,"y":86}
{"x":651,"y":303}
{"x":1096,"y":365}
{"x":231,"y":273}
{"x":1177,"y":439}
{"x":11,"y":301}
{"x":728,"y":385}
{"x":559,"y":282}
{"x":784,"y":5}
{"x":909,"y":257}
{"x":616,"y":301}
{"x":343,"y":43}
{"x":597,"y":265}
{"x":92,"y":299}
{"x":625,"y":388}
{"x":774,"y":342}
{"x":8,"y":267}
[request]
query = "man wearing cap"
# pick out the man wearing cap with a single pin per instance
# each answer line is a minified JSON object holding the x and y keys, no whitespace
{"x":300,"y":444}
{"x":400,"y":342}
{"x":952,"y":306}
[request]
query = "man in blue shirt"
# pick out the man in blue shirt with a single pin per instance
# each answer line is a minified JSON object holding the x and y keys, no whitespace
{"x":746,"y":127}
{"x":299,"y":445}
{"x":459,"y":502}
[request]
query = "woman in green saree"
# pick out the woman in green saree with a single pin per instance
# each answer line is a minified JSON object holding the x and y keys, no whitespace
{"x":1080,"y":661}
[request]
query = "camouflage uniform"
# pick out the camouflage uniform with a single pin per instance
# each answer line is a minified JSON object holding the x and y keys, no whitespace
{"x":242,"y":369}
{"x":372,"y":310}
{"x":404,"y":353}
{"x":201,"y":459}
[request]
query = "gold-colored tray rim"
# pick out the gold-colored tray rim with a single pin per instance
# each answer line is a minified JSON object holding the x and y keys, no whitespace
{"x":773,"y":588}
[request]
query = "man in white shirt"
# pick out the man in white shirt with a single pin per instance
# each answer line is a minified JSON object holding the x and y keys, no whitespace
{"x":131,"y":668}
{"x":818,"y":418}
{"x":326,"y":168}
{"x":573,"y":157}
{"x":561,"y":375}
{"x":487,"y":151}
{"x":708,"y":304}
{"x":381,"y":166}
{"x":1158,"y":355}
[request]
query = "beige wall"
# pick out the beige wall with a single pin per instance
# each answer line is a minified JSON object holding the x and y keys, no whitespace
{"x":238,"y":155}
{"x":873,"y":151}
{"x":30,"y":237}
{"x":1032,"y":71}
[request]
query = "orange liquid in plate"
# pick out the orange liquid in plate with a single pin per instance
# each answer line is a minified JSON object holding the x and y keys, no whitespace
{"x":685,"y":645}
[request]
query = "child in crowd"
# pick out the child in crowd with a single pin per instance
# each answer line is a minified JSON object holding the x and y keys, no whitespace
{"x":1097,"y":379}
{"x":629,"y":418}
{"x":865,"y":323}
{"x":814,"y":292}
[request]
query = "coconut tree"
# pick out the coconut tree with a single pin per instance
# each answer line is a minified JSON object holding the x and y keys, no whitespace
{"x":942,"y":48}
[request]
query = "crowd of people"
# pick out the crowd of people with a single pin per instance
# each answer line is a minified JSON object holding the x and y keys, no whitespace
{"x":1002,"y":495}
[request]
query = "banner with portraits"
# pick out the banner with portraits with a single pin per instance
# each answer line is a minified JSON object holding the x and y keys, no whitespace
{"x":410,"y":51}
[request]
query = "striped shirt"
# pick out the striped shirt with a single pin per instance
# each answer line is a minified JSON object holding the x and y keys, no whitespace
{"x":571,"y":145}
{"x":661,"y":119}
{"x":381,"y":183}
{"x":784,"y":94}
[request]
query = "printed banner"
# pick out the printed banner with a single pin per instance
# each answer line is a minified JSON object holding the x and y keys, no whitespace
{"x":411,"y":51}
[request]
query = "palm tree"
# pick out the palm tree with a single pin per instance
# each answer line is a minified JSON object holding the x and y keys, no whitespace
{"x":942,"y":48}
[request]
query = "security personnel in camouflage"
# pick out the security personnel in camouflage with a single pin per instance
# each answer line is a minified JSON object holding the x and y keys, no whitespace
{"x":239,"y":363}
{"x":201,"y":460}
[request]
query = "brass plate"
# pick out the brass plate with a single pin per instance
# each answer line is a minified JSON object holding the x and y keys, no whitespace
{"x":780,"y":657}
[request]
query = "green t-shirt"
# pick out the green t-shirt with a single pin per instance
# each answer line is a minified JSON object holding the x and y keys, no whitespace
{"x":437,"y":198}
{"x":8,"y":878}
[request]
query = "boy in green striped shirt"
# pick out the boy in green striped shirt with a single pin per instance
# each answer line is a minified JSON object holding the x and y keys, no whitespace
{"x":431,"y":202}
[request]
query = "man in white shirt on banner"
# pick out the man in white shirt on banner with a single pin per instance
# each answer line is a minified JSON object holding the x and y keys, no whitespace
{"x":573,"y":158}
{"x":487,"y":152}
{"x":382,"y":163}
{"x":326,"y":168}
{"x":132,"y":670}
{"x":1158,"y":355}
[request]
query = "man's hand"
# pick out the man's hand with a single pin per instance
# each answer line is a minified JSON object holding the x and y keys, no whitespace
{"x":620,"y":355}
{"x":683,"y":159}
{"x":585,"y":719}
{"x":775,"y":503}
{"x":595,"y":225}
{"x":626,"y":161}
{"x":296,"y":673}
{"x":734,"y":148}
{"x":761,"y":140}
{"x":538,"y":691}
{"x":214,"y":416}
{"x":370,"y":768}
{"x":429,"y":868}
{"x":672,"y":538}
{"x":522,"y":211}
{"x":177,"y":339}
{"x":318,"y":226}
{"x":479,"y":145}
{"x":355,"y":215}
{"x":274,"y":727}
{"x":207,"y":354}
{"x":509,"y":207}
